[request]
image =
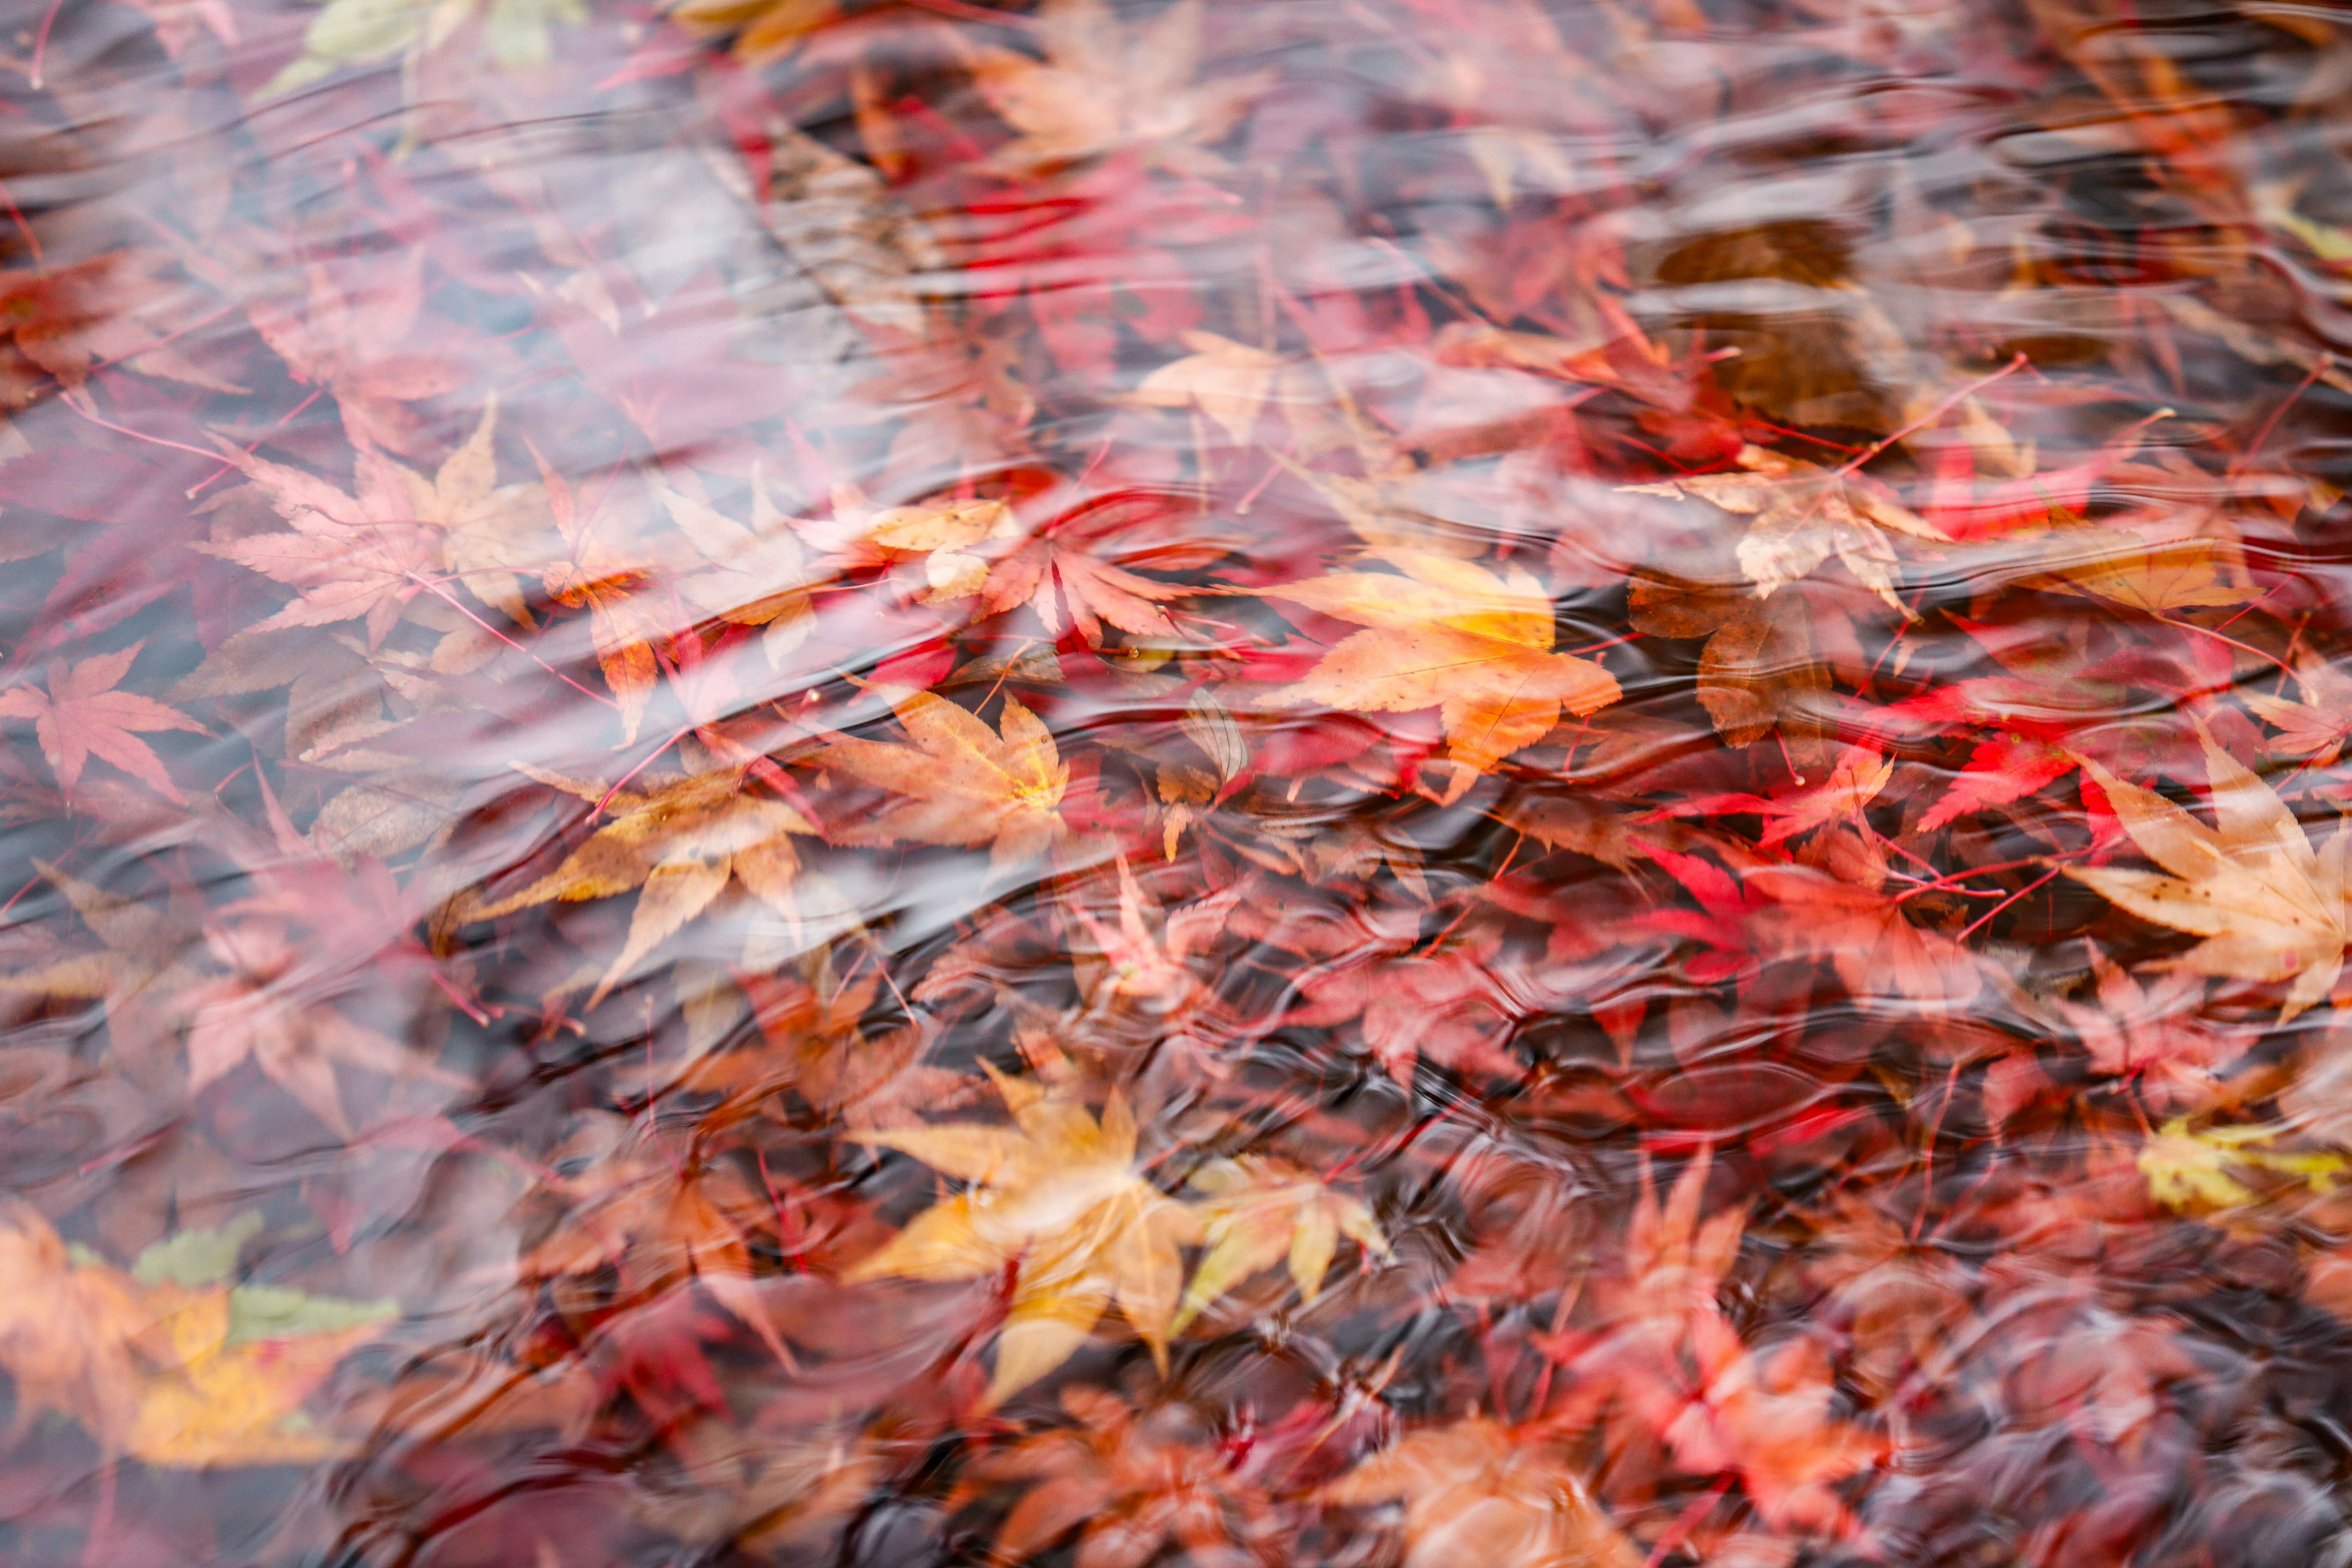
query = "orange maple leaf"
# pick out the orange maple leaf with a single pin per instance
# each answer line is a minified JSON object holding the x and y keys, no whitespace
{"x":682,"y":842}
{"x":966,"y":786}
{"x":1452,"y":635}
{"x":1481,"y":1492}
{"x":1129,"y":1483}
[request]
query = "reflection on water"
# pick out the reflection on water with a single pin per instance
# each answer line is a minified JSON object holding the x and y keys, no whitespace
{"x":1419,"y":782}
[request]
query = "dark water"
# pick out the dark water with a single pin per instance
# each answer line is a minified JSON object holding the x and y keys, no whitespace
{"x":483,"y":482}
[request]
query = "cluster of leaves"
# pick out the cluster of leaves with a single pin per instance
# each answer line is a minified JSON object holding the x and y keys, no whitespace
{"x":1518,"y":782}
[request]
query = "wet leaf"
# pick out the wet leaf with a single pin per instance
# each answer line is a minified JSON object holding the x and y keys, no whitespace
{"x":2270,"y":906}
{"x":1058,"y":1196}
{"x":1446,"y":634}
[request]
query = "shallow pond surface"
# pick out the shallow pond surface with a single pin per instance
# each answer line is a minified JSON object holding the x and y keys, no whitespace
{"x":1353,"y":782}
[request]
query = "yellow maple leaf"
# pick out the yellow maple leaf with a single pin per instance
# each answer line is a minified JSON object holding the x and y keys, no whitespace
{"x":966,"y":784}
{"x":1061,"y":1197}
{"x":2188,"y":1169}
{"x":2269,"y":907}
{"x":944,"y":532}
{"x":211,"y":1400}
{"x":66,"y":1333}
{"x":1259,"y":1211}
{"x":167,"y":1361}
{"x":682,"y":843}
{"x":1451,"y":636}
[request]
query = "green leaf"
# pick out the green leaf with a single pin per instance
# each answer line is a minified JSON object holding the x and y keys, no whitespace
{"x":273,"y":1312}
{"x":196,"y":1257}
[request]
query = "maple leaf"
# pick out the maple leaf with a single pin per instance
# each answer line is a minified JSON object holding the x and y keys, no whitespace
{"x":2156,"y":1034}
{"x":757,"y":576}
{"x":1097,"y":90}
{"x":1260,"y":1211}
{"x":367,"y":555}
{"x":82,"y":715}
{"x":661,"y":1212}
{"x":1854,"y":780}
{"x":1225,"y":381}
{"x":1675,"y":1361}
{"x":1757,"y":667}
{"x":2006,"y":768}
{"x":64,"y":321}
{"x":1447,"y":1005}
{"x":1802,"y":514}
{"x":682,"y":843}
{"x":969,"y":785}
{"x":168,"y":1362}
{"x":1452,"y":635}
{"x":66,"y":1332}
{"x":1864,"y":933}
{"x":220,"y":1398}
{"x":259,"y":1012}
{"x":2188,"y":1169}
{"x":813,"y":1042}
{"x":2316,"y":726}
{"x":483,"y":523}
{"x":2269,"y":907}
{"x":1059,"y":1196}
{"x":625,"y":618}
{"x":1480,"y":1491}
{"x":1768,"y":1416}
{"x":1674,"y":1262}
{"x":1134,"y":1483}
{"x":1070,"y":554}
{"x":766,"y":30}
{"x":945,"y":534}
{"x":353,"y":342}
{"x":2152,"y":576}
{"x":1153,"y":957}
{"x":979,"y":549}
